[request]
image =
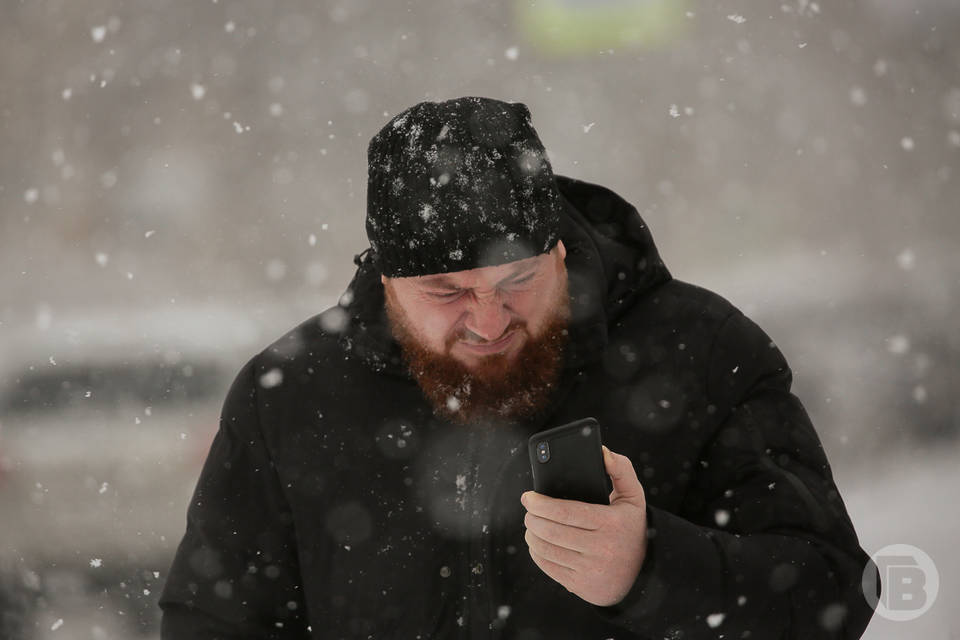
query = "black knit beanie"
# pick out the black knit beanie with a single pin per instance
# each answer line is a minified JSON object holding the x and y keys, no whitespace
{"x":458,"y":185}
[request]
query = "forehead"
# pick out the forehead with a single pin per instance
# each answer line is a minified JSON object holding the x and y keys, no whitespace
{"x":482,"y":276}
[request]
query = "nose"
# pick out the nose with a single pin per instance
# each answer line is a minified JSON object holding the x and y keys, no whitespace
{"x":488,"y":318}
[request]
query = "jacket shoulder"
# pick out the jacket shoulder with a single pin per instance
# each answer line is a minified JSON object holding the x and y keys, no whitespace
{"x":315,"y":340}
{"x":677,"y":300}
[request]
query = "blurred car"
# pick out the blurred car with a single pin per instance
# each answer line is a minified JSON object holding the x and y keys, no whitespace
{"x":105,"y":421}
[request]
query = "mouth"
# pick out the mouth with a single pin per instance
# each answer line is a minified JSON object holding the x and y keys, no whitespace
{"x":487,"y":348}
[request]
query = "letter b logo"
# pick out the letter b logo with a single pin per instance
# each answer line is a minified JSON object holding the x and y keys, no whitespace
{"x":909,"y":579}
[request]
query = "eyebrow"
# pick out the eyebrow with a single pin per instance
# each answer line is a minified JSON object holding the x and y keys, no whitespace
{"x":444,"y":282}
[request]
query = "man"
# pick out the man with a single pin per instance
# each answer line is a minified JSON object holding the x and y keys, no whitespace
{"x":370,"y":476}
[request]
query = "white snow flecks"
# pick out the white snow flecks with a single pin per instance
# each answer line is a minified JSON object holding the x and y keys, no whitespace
{"x":276,"y":270}
{"x":858,"y":96}
{"x":919,"y":394}
{"x":714,"y":620}
{"x":906,"y":259}
{"x":198,"y":91}
{"x":271,"y":378}
{"x":898,"y":344}
{"x":108,"y":179}
{"x":512,"y":53}
{"x":736,"y":17}
{"x":722,"y":517}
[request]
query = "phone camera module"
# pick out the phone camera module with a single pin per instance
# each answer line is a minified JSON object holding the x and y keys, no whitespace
{"x":543,"y":451}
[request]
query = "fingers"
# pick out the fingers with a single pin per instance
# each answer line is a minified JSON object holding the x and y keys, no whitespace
{"x":560,"y":535}
{"x":569,"y":512}
{"x":551,"y":552}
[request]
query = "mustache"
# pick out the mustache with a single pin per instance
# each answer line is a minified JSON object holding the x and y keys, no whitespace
{"x":466,"y":335}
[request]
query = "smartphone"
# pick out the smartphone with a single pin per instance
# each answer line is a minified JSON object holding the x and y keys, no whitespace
{"x":567,"y":463}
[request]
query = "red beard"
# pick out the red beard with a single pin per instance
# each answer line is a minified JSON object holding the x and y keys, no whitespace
{"x":500,"y":387}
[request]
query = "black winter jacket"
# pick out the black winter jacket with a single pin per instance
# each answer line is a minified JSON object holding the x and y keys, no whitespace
{"x":333,"y":504}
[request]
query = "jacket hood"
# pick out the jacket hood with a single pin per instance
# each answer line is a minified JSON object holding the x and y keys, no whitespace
{"x":611,"y":261}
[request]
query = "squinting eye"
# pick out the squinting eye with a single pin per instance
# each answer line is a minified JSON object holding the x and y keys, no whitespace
{"x":523,"y":280}
{"x":453,"y":295}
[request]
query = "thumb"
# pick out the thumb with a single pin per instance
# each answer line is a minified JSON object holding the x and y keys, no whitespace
{"x":626,"y":485}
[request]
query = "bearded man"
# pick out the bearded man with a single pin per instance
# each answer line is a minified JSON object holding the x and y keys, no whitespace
{"x":370,"y":476}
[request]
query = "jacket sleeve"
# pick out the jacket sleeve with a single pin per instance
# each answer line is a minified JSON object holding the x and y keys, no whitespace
{"x":762,"y":546}
{"x":235,"y":574}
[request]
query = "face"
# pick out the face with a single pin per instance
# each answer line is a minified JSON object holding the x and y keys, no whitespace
{"x":471,"y":315}
{"x":463,"y":334}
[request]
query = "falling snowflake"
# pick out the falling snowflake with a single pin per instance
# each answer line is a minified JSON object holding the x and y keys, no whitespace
{"x":96,"y":563}
{"x":858,"y":96}
{"x":736,"y":17}
{"x":898,"y":344}
{"x":714,"y":620}
{"x":906,"y":259}
{"x":271,"y":378}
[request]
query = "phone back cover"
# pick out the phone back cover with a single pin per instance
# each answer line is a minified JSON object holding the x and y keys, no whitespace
{"x":575,"y":470}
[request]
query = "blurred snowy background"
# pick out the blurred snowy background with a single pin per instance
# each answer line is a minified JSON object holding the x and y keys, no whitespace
{"x":180,"y":182}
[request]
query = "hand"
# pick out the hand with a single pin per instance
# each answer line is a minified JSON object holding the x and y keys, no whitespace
{"x":593,"y":550}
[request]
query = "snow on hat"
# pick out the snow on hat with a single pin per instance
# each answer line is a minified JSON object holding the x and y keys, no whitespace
{"x":457,"y":185}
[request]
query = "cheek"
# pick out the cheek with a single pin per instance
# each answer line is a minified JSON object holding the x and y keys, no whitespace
{"x":435,"y":323}
{"x":533,"y":307}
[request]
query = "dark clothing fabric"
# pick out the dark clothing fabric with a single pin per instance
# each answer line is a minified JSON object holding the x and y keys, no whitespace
{"x":334,"y":505}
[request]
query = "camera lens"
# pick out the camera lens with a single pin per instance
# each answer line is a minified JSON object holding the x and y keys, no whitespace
{"x":543,"y":451}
